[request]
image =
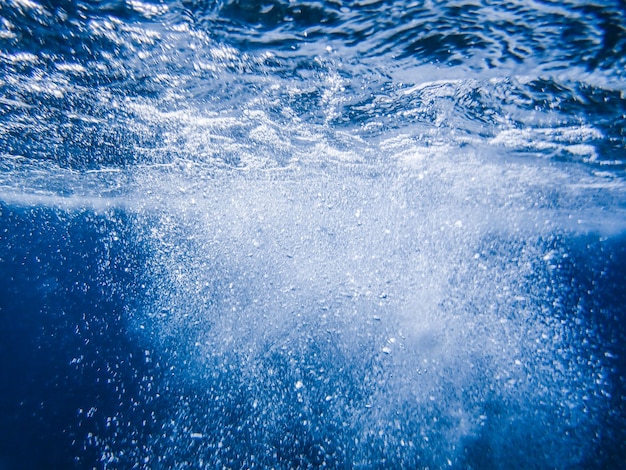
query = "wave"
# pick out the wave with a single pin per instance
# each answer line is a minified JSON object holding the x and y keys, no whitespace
{"x":78,"y":75}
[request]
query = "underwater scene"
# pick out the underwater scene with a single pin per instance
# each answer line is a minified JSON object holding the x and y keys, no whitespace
{"x":312,"y":234}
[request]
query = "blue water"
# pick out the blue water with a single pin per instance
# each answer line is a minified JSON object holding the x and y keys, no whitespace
{"x":283,"y":234}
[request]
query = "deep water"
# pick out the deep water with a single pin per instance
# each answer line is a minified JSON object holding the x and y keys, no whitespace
{"x":283,"y":234}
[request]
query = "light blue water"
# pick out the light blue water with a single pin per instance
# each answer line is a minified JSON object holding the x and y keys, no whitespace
{"x":283,"y":234}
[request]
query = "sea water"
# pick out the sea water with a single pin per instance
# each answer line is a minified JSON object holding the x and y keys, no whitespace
{"x":285,"y":234}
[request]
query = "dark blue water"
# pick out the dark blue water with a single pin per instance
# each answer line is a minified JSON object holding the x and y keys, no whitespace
{"x":282,"y":234}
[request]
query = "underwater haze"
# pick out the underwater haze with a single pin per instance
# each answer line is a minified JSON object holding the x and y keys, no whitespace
{"x":332,"y":234}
